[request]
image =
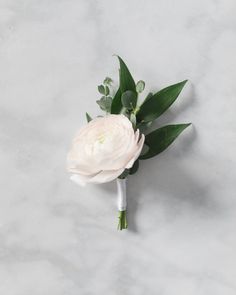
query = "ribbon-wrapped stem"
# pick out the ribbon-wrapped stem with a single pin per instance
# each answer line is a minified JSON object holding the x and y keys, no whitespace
{"x":121,"y":203}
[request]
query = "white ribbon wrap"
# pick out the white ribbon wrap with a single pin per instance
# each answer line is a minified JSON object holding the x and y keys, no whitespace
{"x":121,"y":194}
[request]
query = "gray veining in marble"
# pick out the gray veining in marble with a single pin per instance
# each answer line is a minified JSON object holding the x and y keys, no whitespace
{"x":58,"y":238}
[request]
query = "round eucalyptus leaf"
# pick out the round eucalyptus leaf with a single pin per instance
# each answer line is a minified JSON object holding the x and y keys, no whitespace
{"x":101,"y":104}
{"x":101,"y":89}
{"x":107,"y":81}
{"x":140,"y":86}
{"x":133,"y":119}
{"x":129,"y":99}
{"x":107,"y":103}
{"x":107,"y":90}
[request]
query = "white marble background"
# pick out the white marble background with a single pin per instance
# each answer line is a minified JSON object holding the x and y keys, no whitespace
{"x":59,"y":239}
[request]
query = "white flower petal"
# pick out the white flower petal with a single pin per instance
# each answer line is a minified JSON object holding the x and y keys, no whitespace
{"x":106,"y":176}
{"x":103,"y":149}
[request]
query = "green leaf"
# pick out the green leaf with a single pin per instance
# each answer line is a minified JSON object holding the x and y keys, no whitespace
{"x":143,"y":126}
{"x":124,"y":174}
{"x":140,"y":86}
{"x":107,"y":81}
{"x":101,"y":105}
{"x":108,"y":102}
{"x":161,"y":138}
{"x":88,"y":117}
{"x":107,"y":90}
{"x":126,"y":80}
{"x":156,"y":105}
{"x":150,"y":94}
{"x":101,"y":89}
{"x":144,"y":149}
{"x":135,"y":167}
{"x":116,"y":106}
{"x":105,"y":103}
{"x":129,"y":99}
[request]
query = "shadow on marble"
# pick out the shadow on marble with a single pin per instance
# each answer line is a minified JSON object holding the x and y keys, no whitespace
{"x":163,"y":181}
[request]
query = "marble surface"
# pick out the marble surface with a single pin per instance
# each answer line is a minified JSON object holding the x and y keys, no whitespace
{"x":58,"y":238}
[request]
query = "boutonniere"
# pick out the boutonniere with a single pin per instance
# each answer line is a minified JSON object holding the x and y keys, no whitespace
{"x":110,"y":147}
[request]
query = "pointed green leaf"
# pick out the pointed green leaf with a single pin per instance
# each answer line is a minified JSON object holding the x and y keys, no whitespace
{"x":129,"y":100}
{"x":144,"y":150}
{"x":116,"y":106}
{"x":126,"y":80}
{"x":88,"y":117}
{"x":150,"y":94}
{"x":101,"y":89}
{"x":135,"y":167}
{"x":156,"y":105}
{"x":161,"y":138}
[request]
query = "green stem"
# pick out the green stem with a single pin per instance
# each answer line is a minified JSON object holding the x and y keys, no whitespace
{"x":122,"y":220}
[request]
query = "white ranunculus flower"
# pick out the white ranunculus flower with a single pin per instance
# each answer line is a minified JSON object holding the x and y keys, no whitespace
{"x":103,"y":149}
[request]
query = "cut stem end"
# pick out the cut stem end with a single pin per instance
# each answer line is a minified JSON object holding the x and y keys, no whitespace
{"x":122,"y":220}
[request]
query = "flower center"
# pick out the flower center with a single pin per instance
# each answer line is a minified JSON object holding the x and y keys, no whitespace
{"x":101,"y":138}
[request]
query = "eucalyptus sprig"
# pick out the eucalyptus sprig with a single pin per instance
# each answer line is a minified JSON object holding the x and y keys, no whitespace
{"x":106,"y":100}
{"x":142,"y":116}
